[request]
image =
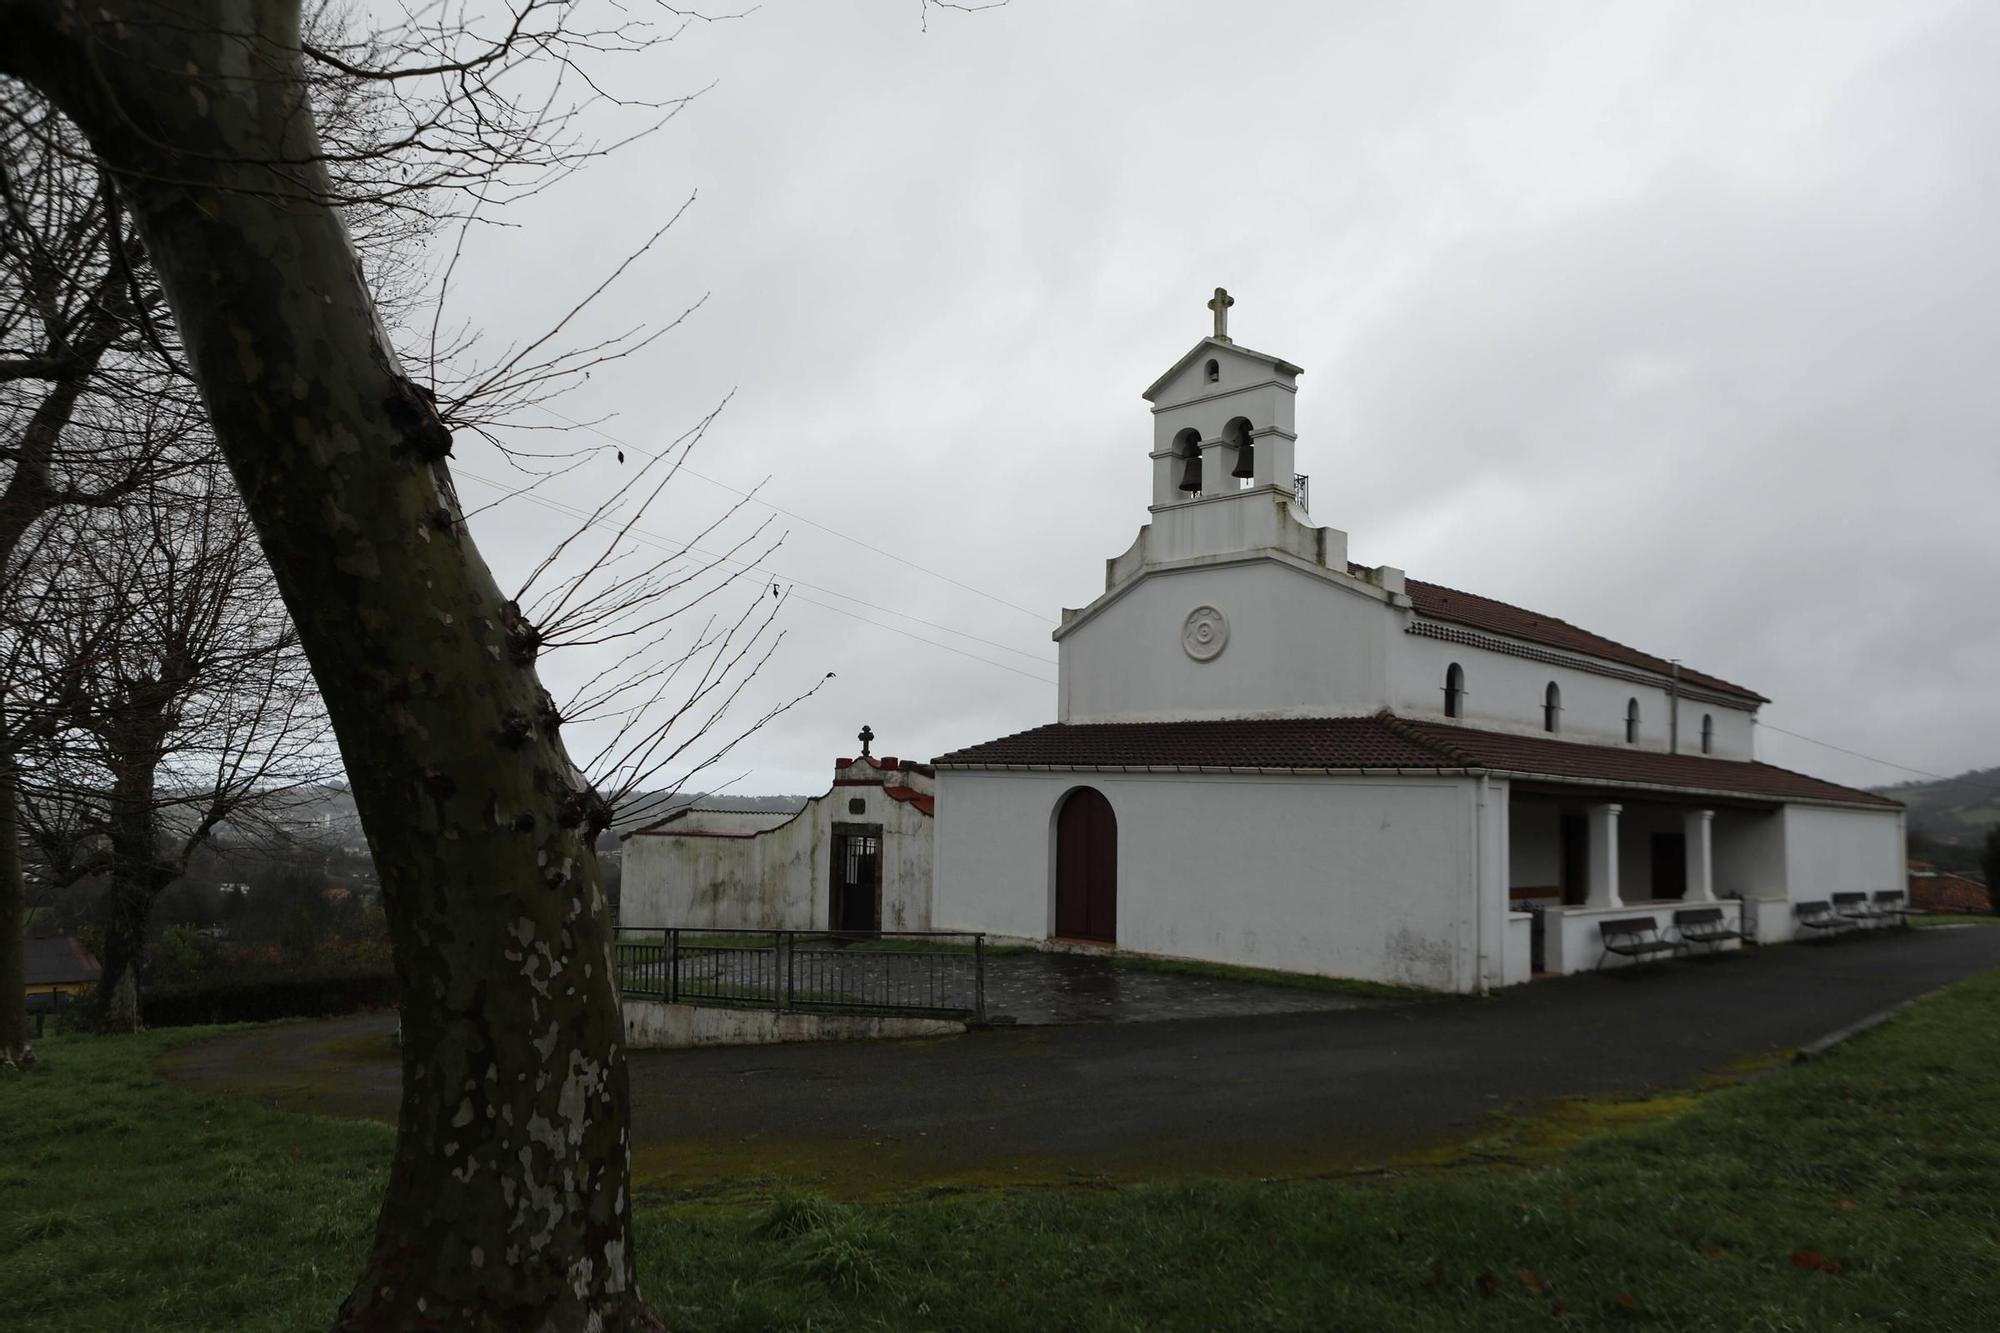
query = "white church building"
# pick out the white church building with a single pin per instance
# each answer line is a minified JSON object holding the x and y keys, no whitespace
{"x":1266,"y":755}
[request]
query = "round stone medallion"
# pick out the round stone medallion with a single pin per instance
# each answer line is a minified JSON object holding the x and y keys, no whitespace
{"x":1205,"y":633}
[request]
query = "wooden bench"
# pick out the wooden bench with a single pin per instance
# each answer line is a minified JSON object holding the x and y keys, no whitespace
{"x":1893,"y":905}
{"x":1703,"y":925}
{"x":1635,"y":937}
{"x":1819,"y":915}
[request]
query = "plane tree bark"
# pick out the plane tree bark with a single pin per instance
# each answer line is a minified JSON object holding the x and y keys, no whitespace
{"x":508,"y":1204}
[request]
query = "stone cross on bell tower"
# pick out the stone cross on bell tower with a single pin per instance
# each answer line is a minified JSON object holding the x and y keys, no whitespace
{"x":1220,"y":304}
{"x":866,"y":736}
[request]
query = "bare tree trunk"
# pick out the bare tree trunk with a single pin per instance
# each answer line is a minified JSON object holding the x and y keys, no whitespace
{"x":508,"y":1204}
{"x":128,"y":900}
{"x":15,"y":1048}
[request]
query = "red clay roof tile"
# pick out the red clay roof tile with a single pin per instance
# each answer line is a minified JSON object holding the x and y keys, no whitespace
{"x":1475,"y":612}
{"x":1386,"y":742}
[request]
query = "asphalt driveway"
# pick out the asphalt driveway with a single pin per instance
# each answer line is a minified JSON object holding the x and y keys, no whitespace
{"x":1280,"y":1094}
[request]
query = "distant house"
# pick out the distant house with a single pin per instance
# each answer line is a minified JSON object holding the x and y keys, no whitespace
{"x":60,"y":969}
{"x":1934,"y":890}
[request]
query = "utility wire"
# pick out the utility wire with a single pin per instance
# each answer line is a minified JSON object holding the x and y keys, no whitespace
{"x":1040,"y":618}
{"x":1886,"y":763}
{"x":665,"y":543}
{"x":992,"y":597}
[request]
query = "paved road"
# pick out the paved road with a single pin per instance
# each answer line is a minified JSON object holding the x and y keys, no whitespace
{"x":1040,"y":988}
{"x":1278,"y":1094}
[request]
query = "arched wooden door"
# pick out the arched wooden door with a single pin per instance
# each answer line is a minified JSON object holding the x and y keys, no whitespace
{"x":1087,"y":868}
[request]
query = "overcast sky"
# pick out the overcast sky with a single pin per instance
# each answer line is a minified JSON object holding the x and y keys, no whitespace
{"x":1676,"y":322}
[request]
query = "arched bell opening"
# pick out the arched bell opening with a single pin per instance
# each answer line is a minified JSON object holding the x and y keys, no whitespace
{"x":1237,"y":436}
{"x":1187,"y":458}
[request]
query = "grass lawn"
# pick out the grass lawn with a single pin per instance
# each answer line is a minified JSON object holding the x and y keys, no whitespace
{"x":1860,"y":1191}
{"x":1956,"y":919}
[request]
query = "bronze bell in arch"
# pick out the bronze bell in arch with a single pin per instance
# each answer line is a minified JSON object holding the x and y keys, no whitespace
{"x":1191,"y":474}
{"x":1246,"y":459}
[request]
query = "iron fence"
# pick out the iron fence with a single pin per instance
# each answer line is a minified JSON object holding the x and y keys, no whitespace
{"x":931,"y":973}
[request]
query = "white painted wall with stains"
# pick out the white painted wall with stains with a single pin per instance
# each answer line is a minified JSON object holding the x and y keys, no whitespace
{"x":1356,"y":877}
{"x":725,"y":873}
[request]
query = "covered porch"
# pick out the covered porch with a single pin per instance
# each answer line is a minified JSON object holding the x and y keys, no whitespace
{"x":1579,"y":857}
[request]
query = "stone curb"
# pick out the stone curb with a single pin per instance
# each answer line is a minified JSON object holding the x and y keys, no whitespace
{"x":1814,"y":1049}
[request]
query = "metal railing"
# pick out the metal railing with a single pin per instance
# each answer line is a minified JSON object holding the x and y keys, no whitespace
{"x":923,"y":972}
{"x":1302,"y":489}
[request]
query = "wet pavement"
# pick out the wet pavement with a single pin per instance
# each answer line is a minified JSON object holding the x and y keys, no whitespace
{"x":1267,"y":1094}
{"x":1035,"y":989}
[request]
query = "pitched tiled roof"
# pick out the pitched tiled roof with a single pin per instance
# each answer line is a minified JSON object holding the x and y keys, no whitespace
{"x":1474,"y":612}
{"x":922,"y":800}
{"x":1545,"y":756}
{"x":1385,"y":742}
{"x":59,"y":960}
{"x":1282,"y":743}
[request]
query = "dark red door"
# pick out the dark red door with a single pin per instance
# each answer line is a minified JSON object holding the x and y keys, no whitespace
{"x":1087,"y":868}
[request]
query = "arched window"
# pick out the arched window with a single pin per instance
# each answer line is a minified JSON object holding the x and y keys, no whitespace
{"x":1454,"y":690}
{"x":1214,"y":370}
{"x":1237,"y":434}
{"x":1708,"y":733}
{"x":1552,"y":707}
{"x":1632,"y":722}
{"x":1187,"y":457}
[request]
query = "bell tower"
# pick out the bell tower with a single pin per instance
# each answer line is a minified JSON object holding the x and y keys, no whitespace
{"x":1223,"y":423}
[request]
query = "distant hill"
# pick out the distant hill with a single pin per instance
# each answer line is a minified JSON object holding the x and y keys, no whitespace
{"x":1948,"y":817}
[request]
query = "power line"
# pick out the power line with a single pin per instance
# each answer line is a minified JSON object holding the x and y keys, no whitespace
{"x":1040,"y":618}
{"x":1886,"y":763}
{"x":665,"y":543}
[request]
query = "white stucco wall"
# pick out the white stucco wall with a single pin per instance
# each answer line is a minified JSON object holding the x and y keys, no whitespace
{"x":1298,"y":646}
{"x":1350,"y":877}
{"x":1829,"y":851}
{"x":1749,"y":854}
{"x":1536,"y":849}
{"x":781,"y":879}
{"x":656,"y":1025}
{"x":1504,"y":693}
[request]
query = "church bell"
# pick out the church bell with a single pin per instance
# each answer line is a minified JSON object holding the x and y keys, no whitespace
{"x":1191,"y":474}
{"x":1246,"y":460}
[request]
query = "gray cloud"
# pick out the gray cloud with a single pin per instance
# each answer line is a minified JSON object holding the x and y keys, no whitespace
{"x":1674,"y":325}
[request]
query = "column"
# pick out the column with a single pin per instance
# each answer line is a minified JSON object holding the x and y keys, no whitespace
{"x":1700,"y":839}
{"x":1604,"y":856}
{"x":1166,"y":478}
{"x":1216,"y":460}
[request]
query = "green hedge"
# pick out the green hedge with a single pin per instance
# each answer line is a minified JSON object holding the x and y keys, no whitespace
{"x":258,"y":996}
